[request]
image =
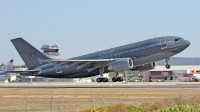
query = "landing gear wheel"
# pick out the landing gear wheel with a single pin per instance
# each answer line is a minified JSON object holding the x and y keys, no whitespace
{"x":104,"y":79}
{"x":120,"y":79}
{"x":114,"y":79}
{"x":168,"y":66}
{"x":99,"y":80}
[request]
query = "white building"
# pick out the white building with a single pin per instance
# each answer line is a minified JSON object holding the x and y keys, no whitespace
{"x":50,"y":51}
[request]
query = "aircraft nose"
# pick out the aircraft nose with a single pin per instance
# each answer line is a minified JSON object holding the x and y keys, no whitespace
{"x":187,"y":43}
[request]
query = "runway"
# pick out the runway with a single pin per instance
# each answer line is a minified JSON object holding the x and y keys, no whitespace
{"x":103,"y":86}
{"x":80,"y":89}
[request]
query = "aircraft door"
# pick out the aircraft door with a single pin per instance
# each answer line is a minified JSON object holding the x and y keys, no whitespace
{"x":163,"y":43}
{"x":58,"y":70}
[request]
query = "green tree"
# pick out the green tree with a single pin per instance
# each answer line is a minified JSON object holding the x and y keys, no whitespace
{"x":19,"y":66}
{"x":23,"y":66}
{"x":111,"y":75}
{"x":21,"y":77}
{"x":2,"y":66}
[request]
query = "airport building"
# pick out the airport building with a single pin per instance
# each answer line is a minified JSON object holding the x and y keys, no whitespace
{"x":51,"y":51}
{"x":180,"y":68}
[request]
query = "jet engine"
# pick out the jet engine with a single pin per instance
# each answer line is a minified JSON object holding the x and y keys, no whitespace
{"x":121,"y":65}
{"x":145,"y":67}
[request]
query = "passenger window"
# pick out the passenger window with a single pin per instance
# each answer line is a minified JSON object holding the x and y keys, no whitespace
{"x":175,"y":39}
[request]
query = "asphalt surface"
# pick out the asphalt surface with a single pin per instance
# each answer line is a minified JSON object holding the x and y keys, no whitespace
{"x":103,"y":86}
{"x":99,"y":89}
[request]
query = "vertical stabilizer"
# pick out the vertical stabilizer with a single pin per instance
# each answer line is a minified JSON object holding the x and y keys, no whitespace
{"x":28,"y":53}
{"x":194,"y":70}
{"x":7,"y":68}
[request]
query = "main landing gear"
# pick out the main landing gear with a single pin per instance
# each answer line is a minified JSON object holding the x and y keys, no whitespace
{"x":117,"y":78}
{"x":101,"y":78}
{"x":168,"y":66}
{"x":104,"y":79}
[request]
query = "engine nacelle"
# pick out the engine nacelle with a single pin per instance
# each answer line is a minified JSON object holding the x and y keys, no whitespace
{"x":121,"y":65}
{"x":145,"y":67}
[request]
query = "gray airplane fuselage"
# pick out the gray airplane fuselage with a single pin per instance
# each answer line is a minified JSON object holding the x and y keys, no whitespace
{"x":142,"y":53}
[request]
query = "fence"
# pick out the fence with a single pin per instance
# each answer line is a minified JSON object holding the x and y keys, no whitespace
{"x":53,"y":103}
{"x":76,"y":100}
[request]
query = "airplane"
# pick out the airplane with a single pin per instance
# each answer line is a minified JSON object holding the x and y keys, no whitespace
{"x":136,"y":56}
{"x":194,"y":77}
{"x":3,"y":75}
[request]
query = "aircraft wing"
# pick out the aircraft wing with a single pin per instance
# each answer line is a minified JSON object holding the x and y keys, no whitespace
{"x":86,"y":60}
{"x":20,"y":71}
{"x":26,"y":72}
{"x":94,"y":62}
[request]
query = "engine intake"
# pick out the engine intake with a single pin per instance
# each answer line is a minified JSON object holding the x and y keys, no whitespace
{"x":121,"y":65}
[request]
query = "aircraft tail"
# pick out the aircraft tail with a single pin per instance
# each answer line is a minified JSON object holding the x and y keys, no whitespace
{"x":8,"y":67}
{"x":28,"y":53}
{"x":194,"y":70}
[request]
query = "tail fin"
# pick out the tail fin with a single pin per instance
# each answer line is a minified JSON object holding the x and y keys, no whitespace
{"x":194,"y":70}
{"x":28,"y":53}
{"x":8,"y":67}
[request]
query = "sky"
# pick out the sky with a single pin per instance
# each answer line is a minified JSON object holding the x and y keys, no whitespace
{"x":85,"y":26}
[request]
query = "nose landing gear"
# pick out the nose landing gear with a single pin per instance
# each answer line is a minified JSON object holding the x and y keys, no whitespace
{"x":168,"y":66}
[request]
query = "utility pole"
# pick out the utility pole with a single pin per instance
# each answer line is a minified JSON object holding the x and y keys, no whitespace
{"x":28,"y":104}
{"x":51,"y":102}
{"x":126,"y":77}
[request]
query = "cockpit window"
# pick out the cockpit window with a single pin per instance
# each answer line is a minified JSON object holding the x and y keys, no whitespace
{"x":178,"y":39}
